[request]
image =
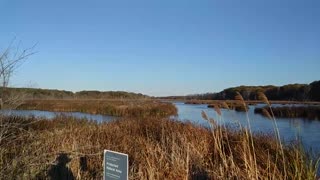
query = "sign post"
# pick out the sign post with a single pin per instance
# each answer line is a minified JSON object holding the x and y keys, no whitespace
{"x":115,"y":166}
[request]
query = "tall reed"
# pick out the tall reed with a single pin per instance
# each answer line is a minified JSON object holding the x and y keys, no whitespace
{"x":281,"y":160}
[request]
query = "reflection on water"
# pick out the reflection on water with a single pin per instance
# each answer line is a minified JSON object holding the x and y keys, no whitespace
{"x":51,"y":115}
{"x":290,"y":129}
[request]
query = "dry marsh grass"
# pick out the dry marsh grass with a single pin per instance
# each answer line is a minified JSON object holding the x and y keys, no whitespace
{"x":127,"y":108}
{"x":158,"y":148}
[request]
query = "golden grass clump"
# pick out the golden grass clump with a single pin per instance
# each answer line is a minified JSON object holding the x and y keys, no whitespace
{"x":225,"y":105}
{"x":263,"y":98}
{"x":266,"y":113}
{"x":204,"y":115}
{"x":239,"y":98}
{"x":217,"y":109}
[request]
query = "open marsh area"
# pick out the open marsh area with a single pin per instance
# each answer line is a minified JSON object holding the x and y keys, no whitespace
{"x":157,"y":90}
{"x":190,"y":144}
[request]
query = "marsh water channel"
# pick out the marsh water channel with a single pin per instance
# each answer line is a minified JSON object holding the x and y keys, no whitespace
{"x":291,"y":129}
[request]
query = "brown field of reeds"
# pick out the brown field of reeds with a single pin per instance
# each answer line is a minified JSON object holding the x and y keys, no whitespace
{"x":112,"y":107}
{"x":158,"y":149}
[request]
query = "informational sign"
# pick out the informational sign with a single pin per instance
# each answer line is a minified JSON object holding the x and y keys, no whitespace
{"x":115,"y":165}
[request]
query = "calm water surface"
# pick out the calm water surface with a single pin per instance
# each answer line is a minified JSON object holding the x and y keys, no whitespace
{"x":50,"y":115}
{"x":290,"y":129}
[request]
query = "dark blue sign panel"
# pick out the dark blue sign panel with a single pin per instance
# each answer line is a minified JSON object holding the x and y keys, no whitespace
{"x":115,"y":166}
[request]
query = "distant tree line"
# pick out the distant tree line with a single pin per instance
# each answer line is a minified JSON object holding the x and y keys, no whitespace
{"x":290,"y":92}
{"x":109,"y":95}
{"x":33,"y":93}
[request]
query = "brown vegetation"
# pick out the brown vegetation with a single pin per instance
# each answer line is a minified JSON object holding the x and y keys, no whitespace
{"x":250,"y":102}
{"x":308,"y":112}
{"x":132,"y":108}
{"x":230,"y":105}
{"x":236,"y":105}
{"x":157,"y":148}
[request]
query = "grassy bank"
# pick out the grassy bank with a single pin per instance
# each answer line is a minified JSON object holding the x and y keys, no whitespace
{"x":238,"y":106}
{"x":158,"y":149}
{"x":121,"y":108}
{"x":308,"y":112}
{"x":250,"y":102}
{"x":232,"y":104}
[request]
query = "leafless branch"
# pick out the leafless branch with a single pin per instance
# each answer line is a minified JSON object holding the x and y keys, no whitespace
{"x":10,"y":59}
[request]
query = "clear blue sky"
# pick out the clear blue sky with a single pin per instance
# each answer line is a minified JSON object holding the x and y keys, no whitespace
{"x":164,"y":47}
